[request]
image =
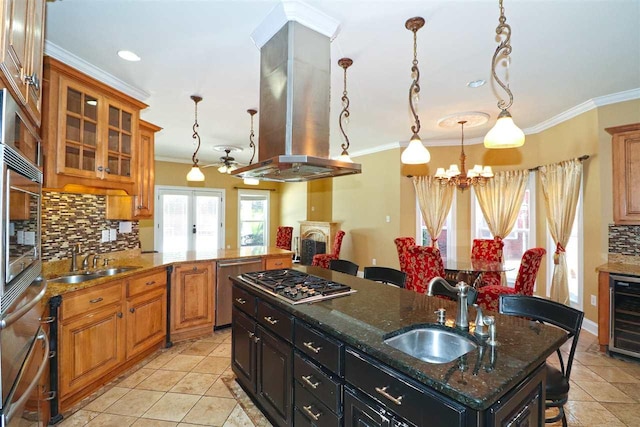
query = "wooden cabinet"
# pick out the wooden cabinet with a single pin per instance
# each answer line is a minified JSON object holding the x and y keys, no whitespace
{"x":91,"y":131}
{"x":192,"y":300}
{"x":23,"y":41}
{"x":275,"y":263}
{"x":145,"y":175}
{"x":604,"y":307}
{"x":91,"y":340}
{"x":105,"y":328}
{"x":625,"y":154}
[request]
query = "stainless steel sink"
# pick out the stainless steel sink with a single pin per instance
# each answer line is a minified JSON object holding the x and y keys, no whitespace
{"x":432,"y":345}
{"x":90,"y":275}
{"x":114,"y":270}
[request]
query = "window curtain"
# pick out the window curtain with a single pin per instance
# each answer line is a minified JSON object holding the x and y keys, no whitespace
{"x":500,"y":199}
{"x":561,"y":188}
{"x":435,"y":200}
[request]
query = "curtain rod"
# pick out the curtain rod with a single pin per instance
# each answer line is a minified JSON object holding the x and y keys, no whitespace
{"x":581,"y":158}
{"x":248,"y":188}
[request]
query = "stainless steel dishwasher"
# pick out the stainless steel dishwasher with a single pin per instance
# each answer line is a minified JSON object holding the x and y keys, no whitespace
{"x":226,"y":268}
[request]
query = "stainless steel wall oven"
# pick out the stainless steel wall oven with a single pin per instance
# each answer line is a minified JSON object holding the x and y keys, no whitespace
{"x":624,"y":330}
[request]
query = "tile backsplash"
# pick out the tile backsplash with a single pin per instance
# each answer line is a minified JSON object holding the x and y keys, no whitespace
{"x":69,"y":218}
{"x":624,"y":240}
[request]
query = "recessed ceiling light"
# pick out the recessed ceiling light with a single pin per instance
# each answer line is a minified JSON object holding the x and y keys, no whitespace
{"x":476,"y":83}
{"x":127,"y":55}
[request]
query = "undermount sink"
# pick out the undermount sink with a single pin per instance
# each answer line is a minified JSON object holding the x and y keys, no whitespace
{"x":90,"y":275}
{"x":432,"y":345}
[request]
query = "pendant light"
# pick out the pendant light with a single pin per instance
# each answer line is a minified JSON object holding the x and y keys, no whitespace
{"x":344,"y":114}
{"x":416,"y":152}
{"x":505,"y":133}
{"x":252,"y":145}
{"x":195,"y":174}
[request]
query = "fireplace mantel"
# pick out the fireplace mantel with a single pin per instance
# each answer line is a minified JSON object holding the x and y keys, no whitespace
{"x":321,"y":231}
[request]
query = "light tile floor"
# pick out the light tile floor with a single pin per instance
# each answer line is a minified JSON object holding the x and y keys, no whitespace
{"x":191,"y":384}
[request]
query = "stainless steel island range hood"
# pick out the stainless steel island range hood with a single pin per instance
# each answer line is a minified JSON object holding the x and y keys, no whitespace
{"x":294,"y":109}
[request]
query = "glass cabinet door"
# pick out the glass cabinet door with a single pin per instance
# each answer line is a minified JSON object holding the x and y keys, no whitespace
{"x":80,"y":131}
{"x":120,"y":137}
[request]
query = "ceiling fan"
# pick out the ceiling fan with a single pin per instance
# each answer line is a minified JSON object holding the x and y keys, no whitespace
{"x":227,"y":164}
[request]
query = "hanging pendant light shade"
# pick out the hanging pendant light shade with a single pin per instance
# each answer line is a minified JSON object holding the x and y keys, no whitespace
{"x":415,"y":153}
{"x":195,"y":174}
{"x":505,"y":133}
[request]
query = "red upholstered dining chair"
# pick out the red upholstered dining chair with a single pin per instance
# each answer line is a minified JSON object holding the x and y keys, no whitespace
{"x":402,"y":245}
{"x":423,"y":264}
{"x":488,"y":250}
{"x":489,"y":296}
{"x":283,"y":237}
{"x":322,"y":260}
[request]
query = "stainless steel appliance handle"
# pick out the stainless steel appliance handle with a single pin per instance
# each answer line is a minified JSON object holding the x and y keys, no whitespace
{"x":631,"y":279}
{"x":233,"y":264}
{"x":27,"y":393}
{"x":7,"y":321}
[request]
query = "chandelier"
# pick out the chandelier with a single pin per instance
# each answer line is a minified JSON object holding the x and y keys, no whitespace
{"x":460,"y":177}
{"x":344,"y":114}
{"x":505,"y":133}
{"x":195,"y":174}
{"x":416,"y":152}
{"x":252,"y":181}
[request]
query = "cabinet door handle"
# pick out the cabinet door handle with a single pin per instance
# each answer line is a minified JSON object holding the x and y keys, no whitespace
{"x":256,"y":339}
{"x":271,"y":320}
{"x":45,"y":320}
{"x":48,"y":395}
{"x":310,"y":346}
{"x":241,"y":301}
{"x":309,"y":412}
{"x":100,"y":168}
{"x":195,"y":268}
{"x":277,"y":264}
{"x":152,"y":282}
{"x":33,"y":80}
{"x":107,"y":170}
{"x":251,"y":334}
{"x":95,"y":300}
{"x":132,"y":310}
{"x":307,"y":379}
{"x":383,"y":392}
{"x":119,"y":315}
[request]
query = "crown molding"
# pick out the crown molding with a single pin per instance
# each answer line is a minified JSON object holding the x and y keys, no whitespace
{"x":292,"y":10}
{"x":614,"y":98}
{"x":91,"y":70}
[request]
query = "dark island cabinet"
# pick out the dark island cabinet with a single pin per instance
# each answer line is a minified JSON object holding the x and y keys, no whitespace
{"x":244,"y":350}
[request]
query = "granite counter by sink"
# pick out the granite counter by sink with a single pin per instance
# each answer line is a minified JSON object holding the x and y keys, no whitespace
{"x":363,"y":319}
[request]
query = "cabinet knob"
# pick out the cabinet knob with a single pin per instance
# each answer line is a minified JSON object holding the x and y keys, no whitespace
{"x":107,"y":170}
{"x":132,"y":310}
{"x":100,"y":168}
{"x":195,"y":268}
{"x":251,"y":334}
{"x":33,"y":80}
{"x":119,"y":315}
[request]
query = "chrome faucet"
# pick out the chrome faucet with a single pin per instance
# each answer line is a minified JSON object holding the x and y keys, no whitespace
{"x":75,"y":251}
{"x":480,"y":325}
{"x":460,"y":290}
{"x":85,"y":261}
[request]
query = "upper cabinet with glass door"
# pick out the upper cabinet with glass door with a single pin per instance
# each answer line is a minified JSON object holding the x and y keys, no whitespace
{"x":91,"y":129}
{"x":21,"y":52}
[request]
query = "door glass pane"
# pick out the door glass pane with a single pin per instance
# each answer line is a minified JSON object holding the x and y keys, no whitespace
{"x":126,"y":144}
{"x":74,"y":101}
{"x":114,"y":117}
{"x":126,"y":121}
{"x":88,"y":160}
{"x":90,"y":107}
{"x":72,"y":157}
{"x":89,"y":135}
{"x":175,"y":223}
{"x":73,"y":129}
{"x":206,"y":220}
{"x":114,"y":140}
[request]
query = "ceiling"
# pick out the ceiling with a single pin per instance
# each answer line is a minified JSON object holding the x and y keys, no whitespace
{"x":568,"y":56}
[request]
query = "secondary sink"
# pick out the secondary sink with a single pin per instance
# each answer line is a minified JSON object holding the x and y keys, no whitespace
{"x":432,"y":345}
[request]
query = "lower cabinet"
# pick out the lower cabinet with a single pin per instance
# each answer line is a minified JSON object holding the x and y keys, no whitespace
{"x":192,"y":300}
{"x":359,"y":411}
{"x":104,"y":327}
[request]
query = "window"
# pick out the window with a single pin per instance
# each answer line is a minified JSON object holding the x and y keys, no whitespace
{"x":574,"y":257}
{"x":522,"y":236}
{"x":253,"y":218}
{"x":188,"y":220}
{"x":447,"y":239}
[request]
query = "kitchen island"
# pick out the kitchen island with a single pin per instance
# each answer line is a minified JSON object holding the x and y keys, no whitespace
{"x":326,"y":363}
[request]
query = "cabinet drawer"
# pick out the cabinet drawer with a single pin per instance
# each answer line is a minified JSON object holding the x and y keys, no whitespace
{"x":320,"y":348}
{"x":91,"y":299}
{"x":397,"y":394}
{"x":322,"y":386}
{"x":311,"y":412}
{"x":277,"y":263}
{"x":141,"y":284}
{"x":275,"y":320}
{"x":244,"y":301}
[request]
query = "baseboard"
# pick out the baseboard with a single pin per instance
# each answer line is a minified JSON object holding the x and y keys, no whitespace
{"x":590,"y":326}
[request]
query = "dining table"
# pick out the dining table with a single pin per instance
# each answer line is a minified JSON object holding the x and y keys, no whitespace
{"x":471,"y":270}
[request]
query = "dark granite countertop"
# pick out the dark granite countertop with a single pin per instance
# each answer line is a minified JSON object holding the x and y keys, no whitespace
{"x":363,"y":319}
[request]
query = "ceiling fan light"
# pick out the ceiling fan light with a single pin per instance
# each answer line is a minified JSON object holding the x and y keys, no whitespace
{"x":344,"y":157}
{"x":231,"y":168}
{"x":222,"y":169}
{"x":251,"y":181}
{"x":195,"y":174}
{"x":505,"y":133}
{"x":415,"y":153}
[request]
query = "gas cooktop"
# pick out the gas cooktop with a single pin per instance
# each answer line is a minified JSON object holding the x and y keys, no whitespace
{"x":295,"y":286}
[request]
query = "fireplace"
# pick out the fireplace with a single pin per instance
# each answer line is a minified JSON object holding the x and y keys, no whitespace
{"x":316,"y":237}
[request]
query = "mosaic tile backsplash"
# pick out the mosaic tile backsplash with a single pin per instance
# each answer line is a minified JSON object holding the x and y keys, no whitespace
{"x":68,"y":219}
{"x":624,"y":240}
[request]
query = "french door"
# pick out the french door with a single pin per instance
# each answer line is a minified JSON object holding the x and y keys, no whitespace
{"x":189,"y":219}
